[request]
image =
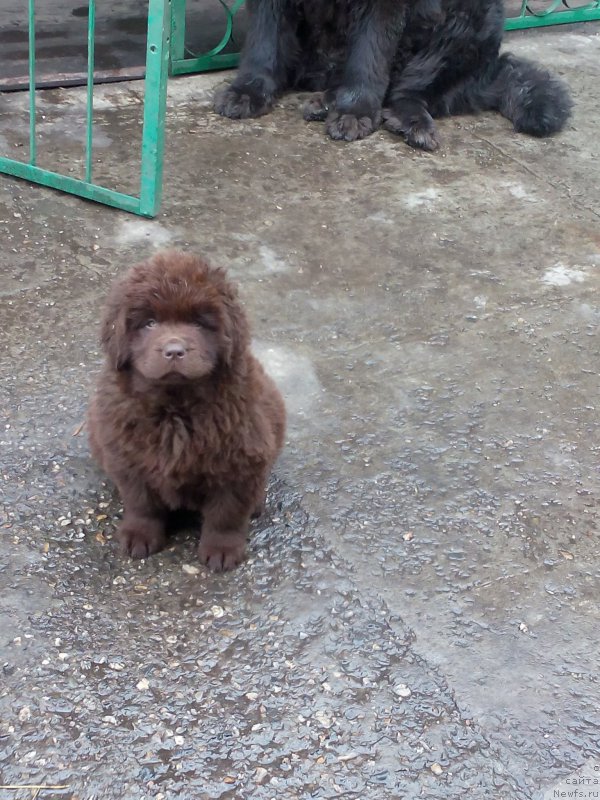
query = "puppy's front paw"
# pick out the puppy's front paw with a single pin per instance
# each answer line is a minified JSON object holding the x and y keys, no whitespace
{"x":222,"y":552}
{"x":349,"y":127}
{"x":141,"y":537}
{"x":241,"y":102}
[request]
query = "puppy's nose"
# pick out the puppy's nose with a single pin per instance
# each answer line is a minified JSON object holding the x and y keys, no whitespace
{"x":174,"y":349}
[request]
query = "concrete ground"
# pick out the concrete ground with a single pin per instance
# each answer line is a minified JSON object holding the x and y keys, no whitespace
{"x":419,"y":613}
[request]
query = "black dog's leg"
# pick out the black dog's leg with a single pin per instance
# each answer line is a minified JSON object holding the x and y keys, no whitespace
{"x":447,"y":76}
{"x":407,"y":109}
{"x":373,"y":38}
{"x":269,"y":48}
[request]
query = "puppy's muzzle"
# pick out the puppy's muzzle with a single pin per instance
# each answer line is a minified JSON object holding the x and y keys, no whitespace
{"x":174,"y":350}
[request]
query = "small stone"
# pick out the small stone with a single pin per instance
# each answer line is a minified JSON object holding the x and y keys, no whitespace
{"x":323,"y":719}
{"x":117,"y":666}
{"x":260,"y":775}
{"x":347,"y":757}
{"x":523,"y":628}
{"x":143,"y":685}
{"x":217,"y":611}
{"x":25,"y":714}
{"x":436,"y":768}
{"x":110,"y":720}
{"x":402,"y":690}
{"x":408,"y":536}
{"x":119,"y":581}
{"x":190,"y":569}
{"x":179,"y":740}
{"x":252,"y":696}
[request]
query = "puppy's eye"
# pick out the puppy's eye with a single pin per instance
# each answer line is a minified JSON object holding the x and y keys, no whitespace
{"x":207,"y":321}
{"x":150,"y":323}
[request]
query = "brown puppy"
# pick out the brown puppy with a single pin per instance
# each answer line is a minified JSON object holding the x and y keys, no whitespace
{"x":183,"y":415}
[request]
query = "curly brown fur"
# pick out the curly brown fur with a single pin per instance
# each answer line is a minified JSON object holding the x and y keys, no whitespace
{"x":183,"y":415}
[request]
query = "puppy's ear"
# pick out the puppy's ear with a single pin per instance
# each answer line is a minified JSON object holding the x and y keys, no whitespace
{"x":114,"y":337}
{"x":235,"y":334}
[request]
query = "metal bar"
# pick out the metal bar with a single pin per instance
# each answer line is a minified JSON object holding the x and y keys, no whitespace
{"x":55,"y":180}
{"x":587,"y":14}
{"x":157,"y":67}
{"x":178,"y":30}
{"x":89,"y":122}
{"x":212,"y":59}
{"x":155,"y":103}
{"x":67,"y":79}
{"x":32,"y":132}
{"x":205,"y":63}
{"x":227,"y":36}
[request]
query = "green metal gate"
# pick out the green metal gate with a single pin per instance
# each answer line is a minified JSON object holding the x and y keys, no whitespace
{"x":183,"y":61}
{"x":537,"y":13}
{"x":166,"y":51}
{"x":147,"y":201}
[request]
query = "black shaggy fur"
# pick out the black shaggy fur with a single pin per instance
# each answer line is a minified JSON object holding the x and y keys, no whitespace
{"x":400,"y":61}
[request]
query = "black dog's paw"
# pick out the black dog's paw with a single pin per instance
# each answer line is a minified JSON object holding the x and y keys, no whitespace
{"x":140,"y":538}
{"x":241,"y":102}
{"x":417,"y":129}
{"x":349,"y":127}
{"x":316,"y":108}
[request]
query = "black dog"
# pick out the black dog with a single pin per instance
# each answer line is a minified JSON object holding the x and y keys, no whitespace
{"x":403,"y":61}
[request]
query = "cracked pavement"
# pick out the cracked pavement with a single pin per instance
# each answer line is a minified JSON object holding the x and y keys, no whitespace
{"x":418,"y":616}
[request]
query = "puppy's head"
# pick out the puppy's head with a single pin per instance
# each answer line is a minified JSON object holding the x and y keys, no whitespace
{"x":172,"y":319}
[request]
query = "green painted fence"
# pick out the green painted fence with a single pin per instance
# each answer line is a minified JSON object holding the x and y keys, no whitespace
{"x":167,"y":52}
{"x":147,"y":201}
{"x":530,"y":14}
{"x":183,"y":61}
{"x":537,"y":13}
